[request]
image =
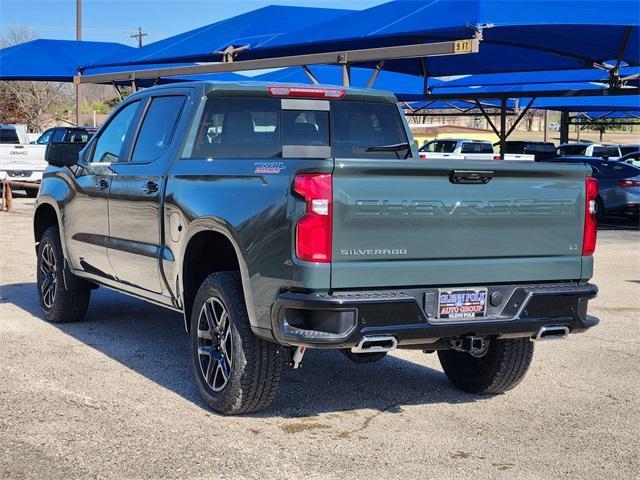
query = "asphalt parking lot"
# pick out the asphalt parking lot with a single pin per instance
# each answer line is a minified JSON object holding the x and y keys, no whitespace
{"x":113,"y":397}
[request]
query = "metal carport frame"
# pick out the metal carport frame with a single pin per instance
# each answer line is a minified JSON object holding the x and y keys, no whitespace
{"x":344,"y":58}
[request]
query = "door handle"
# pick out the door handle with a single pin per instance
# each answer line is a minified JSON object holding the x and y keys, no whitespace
{"x":101,"y":184}
{"x":150,"y":187}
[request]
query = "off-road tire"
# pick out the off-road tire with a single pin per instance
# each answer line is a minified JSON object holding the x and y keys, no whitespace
{"x":500,"y":369}
{"x":63,"y":305}
{"x":256,"y":365}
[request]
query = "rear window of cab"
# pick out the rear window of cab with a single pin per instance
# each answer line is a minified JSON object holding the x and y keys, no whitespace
{"x":258,"y":128}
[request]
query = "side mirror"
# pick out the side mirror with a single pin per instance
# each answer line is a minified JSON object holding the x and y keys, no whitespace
{"x":62,"y":154}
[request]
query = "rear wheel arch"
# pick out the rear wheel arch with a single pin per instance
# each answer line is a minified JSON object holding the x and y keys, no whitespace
{"x":44,"y":217}
{"x":209,"y":251}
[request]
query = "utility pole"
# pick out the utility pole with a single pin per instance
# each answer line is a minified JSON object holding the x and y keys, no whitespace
{"x":139,"y":36}
{"x":78,"y":37}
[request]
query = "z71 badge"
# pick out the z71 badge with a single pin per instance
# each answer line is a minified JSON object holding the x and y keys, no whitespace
{"x":269,"y":167}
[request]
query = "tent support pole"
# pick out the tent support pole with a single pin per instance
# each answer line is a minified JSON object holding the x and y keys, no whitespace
{"x":546,"y":124}
{"x":374,"y":75}
{"x":520,"y":117}
{"x":117,"y":89}
{"x":311,"y":76}
{"x":564,"y":127}
{"x":455,"y":108}
{"x":77,"y":92}
{"x":346,"y":75}
{"x":77,"y":86}
{"x":503,"y":126}
{"x":623,"y":46}
{"x":488,"y":118}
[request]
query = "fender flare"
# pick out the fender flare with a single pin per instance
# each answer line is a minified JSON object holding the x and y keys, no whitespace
{"x":217,"y":225}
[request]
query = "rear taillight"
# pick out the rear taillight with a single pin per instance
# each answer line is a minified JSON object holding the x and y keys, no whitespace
{"x":313,"y":231}
{"x":590,"y":223}
{"x":629,"y":183}
{"x":307,"y":92}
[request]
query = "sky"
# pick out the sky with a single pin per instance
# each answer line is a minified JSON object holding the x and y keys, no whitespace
{"x":115,"y":20}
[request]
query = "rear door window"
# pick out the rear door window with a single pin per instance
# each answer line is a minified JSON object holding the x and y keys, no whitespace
{"x":158,"y":125}
{"x":239,"y":128}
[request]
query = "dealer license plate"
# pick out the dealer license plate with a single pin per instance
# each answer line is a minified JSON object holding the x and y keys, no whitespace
{"x":462,"y":304}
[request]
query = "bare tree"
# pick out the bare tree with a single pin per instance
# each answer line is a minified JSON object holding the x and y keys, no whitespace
{"x":31,"y":100}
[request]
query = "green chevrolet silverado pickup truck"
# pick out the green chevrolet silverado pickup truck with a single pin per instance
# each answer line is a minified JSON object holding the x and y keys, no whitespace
{"x":278,"y":218}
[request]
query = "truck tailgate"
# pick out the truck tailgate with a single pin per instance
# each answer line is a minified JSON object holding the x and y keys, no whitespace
{"x":411,"y":222}
{"x":23,"y":157}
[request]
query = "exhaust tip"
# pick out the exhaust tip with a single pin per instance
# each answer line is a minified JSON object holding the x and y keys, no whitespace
{"x":376,"y":343}
{"x":552,"y":332}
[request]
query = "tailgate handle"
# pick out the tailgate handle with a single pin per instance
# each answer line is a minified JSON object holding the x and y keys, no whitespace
{"x":473,"y":177}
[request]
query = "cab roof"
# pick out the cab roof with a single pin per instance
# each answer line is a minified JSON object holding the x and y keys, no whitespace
{"x":261,"y":89}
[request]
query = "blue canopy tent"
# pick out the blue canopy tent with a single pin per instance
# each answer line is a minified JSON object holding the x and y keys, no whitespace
{"x":618,"y":115}
{"x":54,"y":60}
{"x":535,"y":35}
{"x":628,"y":75}
{"x":592,"y":104}
{"x":206,"y":43}
{"x":421,"y":37}
{"x":588,"y":110}
{"x":588,"y":82}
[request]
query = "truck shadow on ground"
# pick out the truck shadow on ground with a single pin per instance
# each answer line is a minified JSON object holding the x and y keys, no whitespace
{"x":619,"y":223}
{"x":152,"y":341}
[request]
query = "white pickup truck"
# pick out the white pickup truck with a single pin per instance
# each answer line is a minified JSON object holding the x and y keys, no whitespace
{"x":463,"y":149}
{"x":24,"y":163}
{"x":589,"y":150}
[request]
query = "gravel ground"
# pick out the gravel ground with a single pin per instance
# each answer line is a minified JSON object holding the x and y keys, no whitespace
{"x":113,"y":397}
